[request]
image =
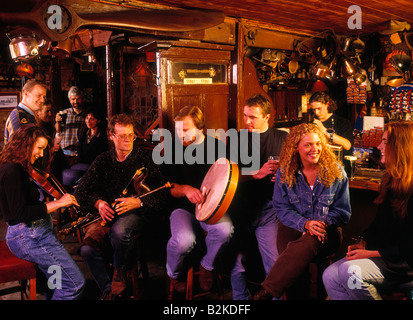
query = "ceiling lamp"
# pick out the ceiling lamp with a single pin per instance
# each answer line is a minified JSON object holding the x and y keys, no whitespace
{"x":319,"y":86}
{"x":25,"y":70}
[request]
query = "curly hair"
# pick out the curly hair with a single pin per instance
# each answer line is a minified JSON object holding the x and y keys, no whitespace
{"x":19,"y":148}
{"x":290,"y":162}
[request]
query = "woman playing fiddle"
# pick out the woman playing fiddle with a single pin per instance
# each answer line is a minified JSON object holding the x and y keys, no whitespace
{"x":22,"y":202}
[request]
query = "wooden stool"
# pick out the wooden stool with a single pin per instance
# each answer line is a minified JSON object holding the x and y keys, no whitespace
{"x":316,"y":268}
{"x":189,"y":295}
{"x":192,"y":264}
{"x":15,"y":269}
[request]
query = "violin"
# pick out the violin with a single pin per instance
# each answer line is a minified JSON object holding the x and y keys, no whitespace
{"x":52,"y":187}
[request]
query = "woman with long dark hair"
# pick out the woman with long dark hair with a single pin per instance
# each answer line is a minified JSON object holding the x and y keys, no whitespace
{"x":30,"y":231}
{"x":384,"y":259}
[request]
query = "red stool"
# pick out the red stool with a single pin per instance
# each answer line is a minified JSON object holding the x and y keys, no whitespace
{"x":15,"y":269}
{"x":189,"y":293}
{"x":190,"y":284}
{"x":192,"y":265}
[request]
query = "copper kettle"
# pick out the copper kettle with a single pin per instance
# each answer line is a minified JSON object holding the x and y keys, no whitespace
{"x":24,"y":47}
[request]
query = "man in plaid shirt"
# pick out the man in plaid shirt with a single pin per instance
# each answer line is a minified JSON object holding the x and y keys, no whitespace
{"x":73,"y":124}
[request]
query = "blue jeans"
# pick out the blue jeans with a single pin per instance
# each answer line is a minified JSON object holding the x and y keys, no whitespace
{"x":121,"y":236}
{"x":362,"y":279}
{"x":97,"y":266}
{"x":184,"y":229}
{"x":36,"y":242}
{"x":265,"y":229}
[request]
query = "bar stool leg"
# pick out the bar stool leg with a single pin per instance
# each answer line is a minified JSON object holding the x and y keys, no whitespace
{"x":190,"y":283}
{"x":32,"y":284}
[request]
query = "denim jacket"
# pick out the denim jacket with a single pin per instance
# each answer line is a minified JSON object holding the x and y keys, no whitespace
{"x":294,"y":206}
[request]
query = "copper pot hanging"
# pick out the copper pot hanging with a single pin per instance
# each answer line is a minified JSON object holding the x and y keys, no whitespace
{"x":24,"y":47}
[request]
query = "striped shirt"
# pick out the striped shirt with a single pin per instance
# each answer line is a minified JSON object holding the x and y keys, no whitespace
{"x":19,"y":116}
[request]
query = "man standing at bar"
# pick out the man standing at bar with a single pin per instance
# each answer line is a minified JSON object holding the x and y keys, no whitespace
{"x":33,"y":98}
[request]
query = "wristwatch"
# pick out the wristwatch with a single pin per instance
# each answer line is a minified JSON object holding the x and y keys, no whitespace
{"x":330,"y":132}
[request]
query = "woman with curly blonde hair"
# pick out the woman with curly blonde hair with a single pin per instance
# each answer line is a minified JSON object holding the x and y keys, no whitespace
{"x":311,"y":198}
{"x":328,"y":168}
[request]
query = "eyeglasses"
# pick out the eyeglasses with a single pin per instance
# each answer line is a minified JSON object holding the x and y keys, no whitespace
{"x":130,"y":136}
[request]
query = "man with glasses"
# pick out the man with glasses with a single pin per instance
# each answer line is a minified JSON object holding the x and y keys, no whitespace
{"x":124,"y":216}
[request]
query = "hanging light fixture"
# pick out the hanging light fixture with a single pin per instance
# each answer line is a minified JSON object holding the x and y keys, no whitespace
{"x":25,"y":70}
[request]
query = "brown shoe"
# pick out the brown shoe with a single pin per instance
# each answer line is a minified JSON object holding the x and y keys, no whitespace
{"x":118,"y":282}
{"x":262,"y":294}
{"x":179,"y":286}
{"x":206,"y":278}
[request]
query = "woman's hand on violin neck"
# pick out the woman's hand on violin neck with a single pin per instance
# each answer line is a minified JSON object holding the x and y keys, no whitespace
{"x":68,"y":200}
